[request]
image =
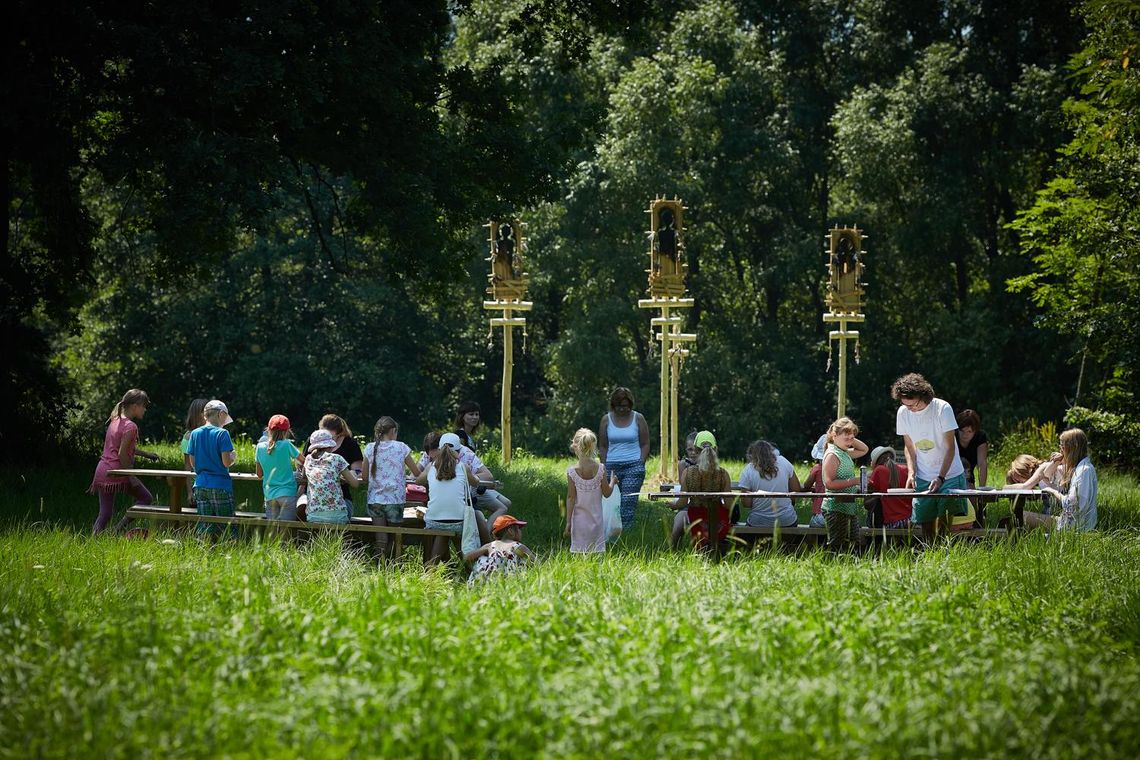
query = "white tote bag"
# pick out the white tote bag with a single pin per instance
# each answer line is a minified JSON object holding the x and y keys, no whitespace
{"x":611,"y":515}
{"x":470,"y":539}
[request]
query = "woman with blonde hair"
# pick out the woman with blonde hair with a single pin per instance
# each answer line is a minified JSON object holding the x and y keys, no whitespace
{"x":1077,"y":494}
{"x":586,"y":484}
{"x":707,"y":476}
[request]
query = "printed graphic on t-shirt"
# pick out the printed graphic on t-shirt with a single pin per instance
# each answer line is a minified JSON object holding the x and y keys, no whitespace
{"x":924,"y":444}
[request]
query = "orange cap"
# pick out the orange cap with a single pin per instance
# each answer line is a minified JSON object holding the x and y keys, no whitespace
{"x":504,"y":522}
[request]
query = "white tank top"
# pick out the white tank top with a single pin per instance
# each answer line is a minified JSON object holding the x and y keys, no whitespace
{"x":447,"y":499}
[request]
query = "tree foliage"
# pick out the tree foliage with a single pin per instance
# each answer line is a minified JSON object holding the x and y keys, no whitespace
{"x":281,"y":205}
{"x":1083,"y":231}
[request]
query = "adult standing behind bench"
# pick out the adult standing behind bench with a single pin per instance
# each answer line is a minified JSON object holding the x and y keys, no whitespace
{"x":119,"y":451}
{"x":211,"y":455}
{"x":933,"y":464}
{"x":623,"y":444}
{"x":974,"y":445}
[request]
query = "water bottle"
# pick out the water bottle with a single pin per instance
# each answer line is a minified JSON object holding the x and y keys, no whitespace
{"x":862,"y":479}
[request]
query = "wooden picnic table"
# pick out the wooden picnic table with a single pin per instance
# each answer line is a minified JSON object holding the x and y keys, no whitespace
{"x":954,"y":493}
{"x":176,"y":478}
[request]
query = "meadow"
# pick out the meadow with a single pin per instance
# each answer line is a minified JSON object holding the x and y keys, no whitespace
{"x":171,"y":647}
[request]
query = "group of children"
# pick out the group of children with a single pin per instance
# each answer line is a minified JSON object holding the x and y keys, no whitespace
{"x":313,"y":484}
{"x":942,"y":453}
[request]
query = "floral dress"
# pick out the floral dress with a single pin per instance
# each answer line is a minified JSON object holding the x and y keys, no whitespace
{"x":326,"y":502}
{"x":502,"y":559}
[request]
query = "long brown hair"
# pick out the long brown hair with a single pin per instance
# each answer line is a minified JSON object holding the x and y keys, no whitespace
{"x":887,"y":459}
{"x":383,"y":425}
{"x":762,"y":456}
{"x":133,"y":396}
{"x":195,"y":414}
{"x":335,"y":425}
{"x":1074,"y":448}
{"x":275,"y":436}
{"x":1022,"y":468}
{"x":445,"y":463}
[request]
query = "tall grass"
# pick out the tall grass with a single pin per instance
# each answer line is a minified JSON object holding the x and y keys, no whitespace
{"x":118,"y":648}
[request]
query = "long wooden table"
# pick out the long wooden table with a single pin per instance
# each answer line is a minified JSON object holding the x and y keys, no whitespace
{"x":955,"y":493}
{"x":176,"y":479}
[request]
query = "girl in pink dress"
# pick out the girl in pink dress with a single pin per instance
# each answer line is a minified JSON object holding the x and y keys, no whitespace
{"x":585,"y":486}
{"x":119,"y":452}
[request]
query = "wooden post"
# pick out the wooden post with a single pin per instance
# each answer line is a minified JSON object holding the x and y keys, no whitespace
{"x":505,"y":406}
{"x":508,"y":322}
{"x":507,"y":286}
{"x":665,"y":454}
{"x":841,"y":405}
{"x":674,"y":388}
{"x":845,"y":263}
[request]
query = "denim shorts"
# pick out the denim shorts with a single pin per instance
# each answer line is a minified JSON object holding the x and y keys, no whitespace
{"x":451,"y":527}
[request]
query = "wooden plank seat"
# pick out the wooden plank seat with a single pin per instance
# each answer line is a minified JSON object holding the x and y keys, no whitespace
{"x":359,"y":525}
{"x":806,"y":532}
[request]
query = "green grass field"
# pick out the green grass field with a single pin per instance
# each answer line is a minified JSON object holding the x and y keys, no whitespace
{"x":172,"y":647}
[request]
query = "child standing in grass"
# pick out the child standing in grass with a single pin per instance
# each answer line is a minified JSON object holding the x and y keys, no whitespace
{"x":839,"y":477}
{"x":211,"y":455}
{"x":119,"y":452}
{"x":503,"y":556}
{"x":195,"y":418}
{"x":586,"y":484}
{"x":385,"y":461}
{"x":275,"y":459}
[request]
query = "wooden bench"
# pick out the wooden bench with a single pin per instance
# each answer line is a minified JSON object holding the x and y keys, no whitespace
{"x":807,"y":534}
{"x":358,"y":525}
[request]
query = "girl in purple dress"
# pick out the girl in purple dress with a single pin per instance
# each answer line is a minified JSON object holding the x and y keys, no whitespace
{"x":119,"y":452}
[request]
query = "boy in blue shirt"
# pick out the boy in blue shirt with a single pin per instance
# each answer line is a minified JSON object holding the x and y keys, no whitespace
{"x":211,"y":455}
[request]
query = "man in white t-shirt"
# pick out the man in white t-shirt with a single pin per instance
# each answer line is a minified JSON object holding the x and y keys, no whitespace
{"x":934,"y":465}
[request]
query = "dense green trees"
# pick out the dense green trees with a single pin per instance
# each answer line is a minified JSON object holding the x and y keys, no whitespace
{"x":280,"y":205}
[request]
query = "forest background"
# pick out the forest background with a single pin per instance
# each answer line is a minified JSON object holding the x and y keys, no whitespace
{"x":280,"y":204}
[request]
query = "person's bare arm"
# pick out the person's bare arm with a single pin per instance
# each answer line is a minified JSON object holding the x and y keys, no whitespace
{"x":421,"y":479}
{"x":643,"y":437}
{"x":571,"y":500}
{"x":794,"y":482}
{"x":830,"y":470}
{"x":348,"y":476}
{"x":412,"y":465}
{"x":603,"y":438}
{"x":228,"y":458}
{"x":609,"y":484}
{"x":983,"y":464}
{"x":950,"y":443}
{"x":125,"y":448}
{"x":911,"y":458}
{"x":858,"y":449}
{"x":258,"y":470}
{"x":475,"y":554}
